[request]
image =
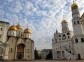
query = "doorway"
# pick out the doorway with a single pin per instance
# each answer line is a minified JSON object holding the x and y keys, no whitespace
{"x":20,"y":51}
{"x":79,"y":56}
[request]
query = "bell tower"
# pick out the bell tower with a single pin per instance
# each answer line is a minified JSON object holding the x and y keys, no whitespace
{"x":78,"y":37}
{"x":77,"y":26}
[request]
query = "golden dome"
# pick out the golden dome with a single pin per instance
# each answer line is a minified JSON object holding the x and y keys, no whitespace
{"x":13,"y":28}
{"x":27,"y":30}
{"x":18,"y":26}
{"x":64,"y":21}
{"x":74,"y":6}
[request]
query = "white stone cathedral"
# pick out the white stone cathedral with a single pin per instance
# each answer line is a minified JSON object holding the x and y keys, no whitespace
{"x":19,"y":44}
{"x":69,"y":45}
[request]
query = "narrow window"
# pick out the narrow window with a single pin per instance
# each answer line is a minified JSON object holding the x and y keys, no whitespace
{"x":74,"y":23}
{"x":78,"y":22}
{"x":76,"y":40}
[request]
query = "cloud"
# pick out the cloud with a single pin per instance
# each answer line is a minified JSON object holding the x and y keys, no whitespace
{"x":42,"y":16}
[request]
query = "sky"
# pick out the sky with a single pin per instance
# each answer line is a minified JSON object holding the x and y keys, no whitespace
{"x":43,"y":17}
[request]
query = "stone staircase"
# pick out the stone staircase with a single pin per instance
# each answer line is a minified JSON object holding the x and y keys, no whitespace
{"x":69,"y":55}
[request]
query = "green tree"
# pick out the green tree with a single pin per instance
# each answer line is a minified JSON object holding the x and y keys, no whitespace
{"x":36,"y":54}
{"x":49,"y":56}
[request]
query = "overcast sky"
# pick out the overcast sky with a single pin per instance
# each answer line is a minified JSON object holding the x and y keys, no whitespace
{"x":42,"y":16}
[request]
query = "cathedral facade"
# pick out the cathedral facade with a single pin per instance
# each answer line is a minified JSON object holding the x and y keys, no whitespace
{"x":19,"y":45}
{"x":70,"y":45}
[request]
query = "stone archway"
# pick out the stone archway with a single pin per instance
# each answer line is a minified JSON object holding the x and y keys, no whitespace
{"x":20,"y":51}
{"x":59,"y":54}
{"x":79,"y":56}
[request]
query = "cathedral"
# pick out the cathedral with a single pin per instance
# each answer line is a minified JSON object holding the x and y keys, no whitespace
{"x":69,"y":45}
{"x":19,"y":45}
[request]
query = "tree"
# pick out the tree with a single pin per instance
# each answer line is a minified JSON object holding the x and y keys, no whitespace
{"x":36,"y":54}
{"x":49,"y":56}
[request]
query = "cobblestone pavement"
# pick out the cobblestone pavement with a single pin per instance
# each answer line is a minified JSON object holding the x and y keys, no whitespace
{"x":47,"y":61}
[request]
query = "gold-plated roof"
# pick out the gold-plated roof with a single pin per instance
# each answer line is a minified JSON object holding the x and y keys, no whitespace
{"x":74,"y":6}
{"x":27,"y":30}
{"x":64,"y":21}
{"x":13,"y":28}
{"x":18,"y":26}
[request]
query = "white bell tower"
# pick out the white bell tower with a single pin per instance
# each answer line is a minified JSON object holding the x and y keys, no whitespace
{"x":78,"y":37}
{"x":77,"y":26}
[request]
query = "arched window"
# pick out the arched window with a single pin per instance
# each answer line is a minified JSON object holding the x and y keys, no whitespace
{"x":68,"y":33}
{"x":76,"y":40}
{"x":64,"y":37}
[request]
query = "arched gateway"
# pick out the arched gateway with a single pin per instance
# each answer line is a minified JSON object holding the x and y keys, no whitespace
{"x":20,"y":51}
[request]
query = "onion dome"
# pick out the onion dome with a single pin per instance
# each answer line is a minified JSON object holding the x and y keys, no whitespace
{"x":18,"y":26}
{"x":74,"y":6}
{"x":64,"y":21}
{"x":27,"y":30}
{"x":13,"y":28}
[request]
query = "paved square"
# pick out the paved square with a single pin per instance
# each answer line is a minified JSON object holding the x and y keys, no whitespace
{"x":47,"y":61}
